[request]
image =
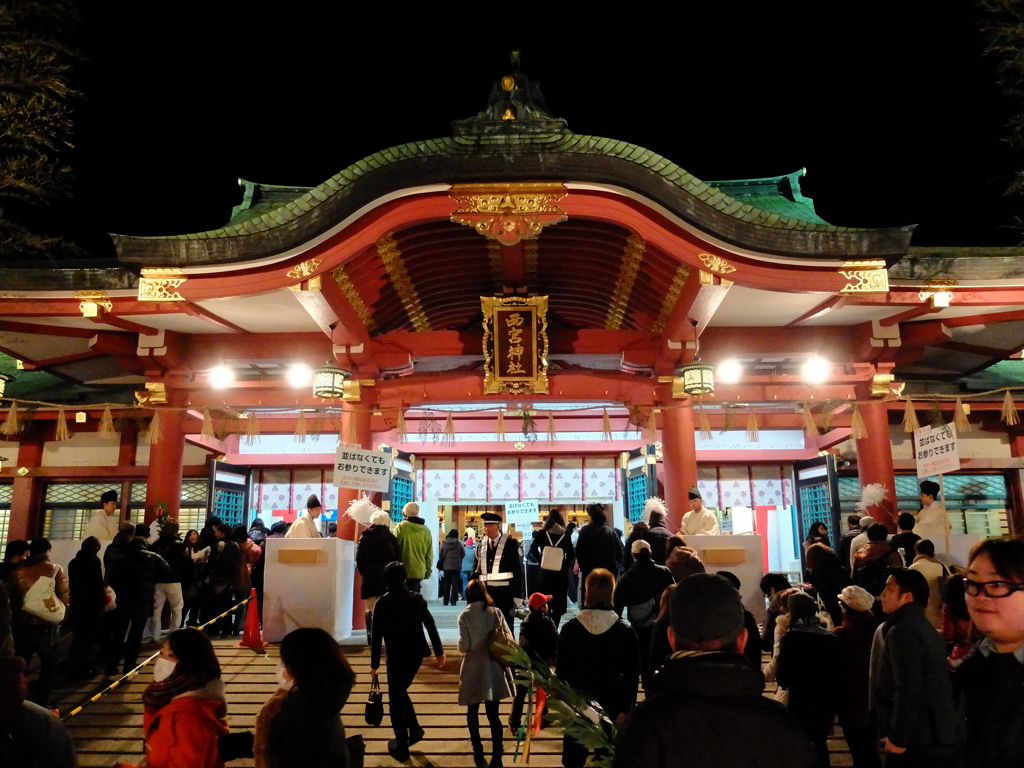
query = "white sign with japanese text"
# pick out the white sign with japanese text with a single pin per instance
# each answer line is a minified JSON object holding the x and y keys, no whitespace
{"x":364,"y":470}
{"x":521,"y":513}
{"x":935,"y":450}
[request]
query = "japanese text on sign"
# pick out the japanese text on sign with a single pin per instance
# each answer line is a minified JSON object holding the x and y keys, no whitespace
{"x":362,"y":469}
{"x":515,"y":342}
{"x":521,"y":513}
{"x":936,"y":451}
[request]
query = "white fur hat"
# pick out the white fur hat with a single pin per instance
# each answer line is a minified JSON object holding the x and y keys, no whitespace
{"x":653,"y":504}
{"x":380,"y":517}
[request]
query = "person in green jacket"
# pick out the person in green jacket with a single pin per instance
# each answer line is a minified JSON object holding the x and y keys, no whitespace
{"x":416,"y":546}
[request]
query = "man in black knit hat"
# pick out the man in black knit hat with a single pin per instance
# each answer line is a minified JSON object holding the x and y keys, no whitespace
{"x":705,"y":706}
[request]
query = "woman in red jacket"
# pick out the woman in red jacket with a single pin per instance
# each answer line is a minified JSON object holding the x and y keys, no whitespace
{"x":184,"y":705}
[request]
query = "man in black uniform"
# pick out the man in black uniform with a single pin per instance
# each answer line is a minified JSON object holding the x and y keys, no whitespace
{"x":499,"y":565}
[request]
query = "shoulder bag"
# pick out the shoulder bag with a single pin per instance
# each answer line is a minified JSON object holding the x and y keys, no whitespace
{"x":500,"y":639}
{"x":41,"y":599}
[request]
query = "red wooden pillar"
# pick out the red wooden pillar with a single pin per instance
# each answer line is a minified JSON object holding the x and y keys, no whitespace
{"x":27,"y":491}
{"x":679,"y":452}
{"x":166,"y":459}
{"x":356,"y":422}
{"x":874,"y":459}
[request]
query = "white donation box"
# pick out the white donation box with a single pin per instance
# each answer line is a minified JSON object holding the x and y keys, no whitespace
{"x":308,"y":583}
{"x":740,"y":555}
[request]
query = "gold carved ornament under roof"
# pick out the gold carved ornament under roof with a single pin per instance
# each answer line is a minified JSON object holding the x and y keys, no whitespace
{"x":508,"y":213}
{"x":161,"y":284}
{"x":869,"y":276}
{"x":629,"y":268}
{"x":394,"y":263}
{"x":716,"y":263}
{"x":305,"y":269}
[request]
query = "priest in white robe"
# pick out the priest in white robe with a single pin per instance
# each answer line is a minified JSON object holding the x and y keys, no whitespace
{"x":306,"y":525}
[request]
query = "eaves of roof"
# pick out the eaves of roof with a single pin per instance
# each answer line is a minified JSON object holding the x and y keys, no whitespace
{"x":485,"y":159}
{"x":955,"y":263}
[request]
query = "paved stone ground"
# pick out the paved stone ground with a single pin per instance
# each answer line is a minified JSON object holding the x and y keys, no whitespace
{"x":111,"y":729}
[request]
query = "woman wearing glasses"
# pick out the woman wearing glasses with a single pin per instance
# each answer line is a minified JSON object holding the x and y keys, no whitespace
{"x":992,"y":677}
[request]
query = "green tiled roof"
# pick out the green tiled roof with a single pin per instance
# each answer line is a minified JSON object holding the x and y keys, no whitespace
{"x":774,"y":194}
{"x":1005,"y":373}
{"x":761,"y":207}
{"x":26,"y":384}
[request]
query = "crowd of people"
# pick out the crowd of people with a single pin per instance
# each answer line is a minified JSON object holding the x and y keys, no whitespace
{"x":113,"y":605}
{"x":921,"y":664}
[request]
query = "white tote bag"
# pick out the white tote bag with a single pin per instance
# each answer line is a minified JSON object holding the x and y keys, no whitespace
{"x":41,"y":599}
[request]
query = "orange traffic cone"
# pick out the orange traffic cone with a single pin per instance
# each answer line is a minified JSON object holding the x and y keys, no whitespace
{"x":252,"y":637}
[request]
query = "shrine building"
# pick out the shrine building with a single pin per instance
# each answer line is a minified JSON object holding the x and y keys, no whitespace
{"x":517,"y":313}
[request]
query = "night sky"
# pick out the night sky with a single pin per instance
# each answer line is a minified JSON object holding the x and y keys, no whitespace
{"x":892,"y":107}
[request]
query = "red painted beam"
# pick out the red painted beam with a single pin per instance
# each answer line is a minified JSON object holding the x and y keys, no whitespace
{"x":832,"y":302}
{"x":194,"y":310}
{"x":108,"y":318}
{"x":513,"y":265}
{"x":721,"y":343}
{"x":910,"y":314}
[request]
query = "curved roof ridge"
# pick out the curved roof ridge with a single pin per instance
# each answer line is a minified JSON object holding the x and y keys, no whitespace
{"x":565,"y":143}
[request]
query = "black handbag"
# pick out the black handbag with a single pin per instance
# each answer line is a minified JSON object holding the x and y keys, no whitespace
{"x":235,"y":745}
{"x":356,"y":751}
{"x":373,"y":713}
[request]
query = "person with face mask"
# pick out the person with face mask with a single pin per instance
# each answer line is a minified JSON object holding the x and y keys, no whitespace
{"x":301,"y":724}
{"x":184,"y":705}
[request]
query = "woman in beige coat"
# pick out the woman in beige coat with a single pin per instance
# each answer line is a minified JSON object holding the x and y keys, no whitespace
{"x":482,"y":677}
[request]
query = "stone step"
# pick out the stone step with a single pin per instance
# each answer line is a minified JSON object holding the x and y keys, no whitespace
{"x":111,"y":729}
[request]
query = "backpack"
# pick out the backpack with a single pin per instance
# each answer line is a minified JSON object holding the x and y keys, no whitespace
{"x":552,"y":556}
{"x":871,"y":576}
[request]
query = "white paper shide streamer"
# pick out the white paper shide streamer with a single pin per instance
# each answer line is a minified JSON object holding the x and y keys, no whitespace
{"x":362,"y":509}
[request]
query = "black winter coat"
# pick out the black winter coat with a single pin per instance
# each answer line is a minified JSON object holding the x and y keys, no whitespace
{"x":85,"y":580}
{"x":808,"y":659}
{"x":642,"y":583}
{"x":606,"y":666}
{"x":708,"y":711}
{"x":398,"y":621}
{"x":308,"y":731}
{"x":913,"y":696}
{"x":377,"y":547}
{"x":992,"y":701}
{"x":598,"y":546}
{"x":538,"y":636}
{"x":172,"y":550}
{"x":134,"y":576}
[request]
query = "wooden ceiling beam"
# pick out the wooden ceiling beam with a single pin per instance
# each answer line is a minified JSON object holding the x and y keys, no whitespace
{"x":13,"y":326}
{"x":832,"y":302}
{"x":64,"y":360}
{"x":194,"y":310}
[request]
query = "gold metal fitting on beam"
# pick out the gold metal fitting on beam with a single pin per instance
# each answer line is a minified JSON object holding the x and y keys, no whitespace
{"x":161,"y":284}
{"x":939,"y":291}
{"x":92,"y":302}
